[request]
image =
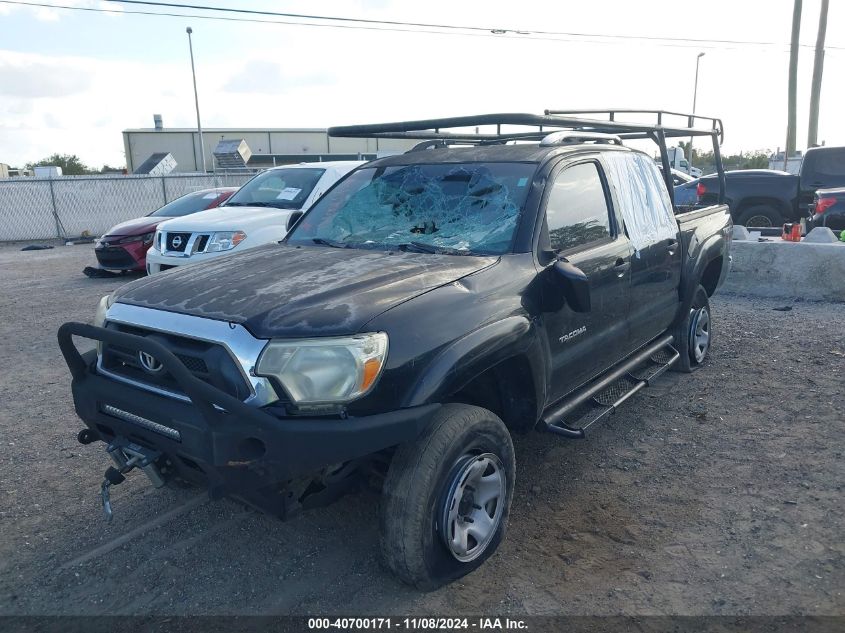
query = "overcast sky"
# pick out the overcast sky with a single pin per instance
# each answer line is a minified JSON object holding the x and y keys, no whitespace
{"x":71,"y":81}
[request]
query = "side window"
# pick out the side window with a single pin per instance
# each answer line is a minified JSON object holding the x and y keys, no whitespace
{"x":576,"y":211}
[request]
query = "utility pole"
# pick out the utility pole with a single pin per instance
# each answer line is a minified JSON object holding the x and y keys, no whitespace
{"x":189,"y":30}
{"x":793,"y":82}
{"x":694,"y":99}
{"x":818,"y":68}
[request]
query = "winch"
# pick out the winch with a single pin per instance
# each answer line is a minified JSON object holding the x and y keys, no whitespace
{"x":127,"y":456}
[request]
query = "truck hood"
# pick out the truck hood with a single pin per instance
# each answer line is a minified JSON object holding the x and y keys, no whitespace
{"x":288,"y":291}
{"x":228,"y":219}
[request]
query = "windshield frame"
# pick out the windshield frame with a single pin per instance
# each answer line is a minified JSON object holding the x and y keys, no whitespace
{"x":533,"y":168}
{"x":232,"y":201}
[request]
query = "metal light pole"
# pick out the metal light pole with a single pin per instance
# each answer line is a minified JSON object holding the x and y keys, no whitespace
{"x":189,"y":30}
{"x":694,"y":99}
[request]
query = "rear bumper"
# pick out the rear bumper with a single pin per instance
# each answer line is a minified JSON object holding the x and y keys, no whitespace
{"x":237,"y":449}
{"x":834,"y":221}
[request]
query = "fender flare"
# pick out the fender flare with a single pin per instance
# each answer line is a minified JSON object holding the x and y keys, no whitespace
{"x":712,"y":248}
{"x":469,"y":356}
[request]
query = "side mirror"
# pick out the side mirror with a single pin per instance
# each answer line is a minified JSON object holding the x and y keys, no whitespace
{"x":293,"y":219}
{"x":574,"y":284}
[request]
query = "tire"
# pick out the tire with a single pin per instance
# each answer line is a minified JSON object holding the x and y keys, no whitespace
{"x":760,"y":215}
{"x":694,"y":335}
{"x":428,"y":492}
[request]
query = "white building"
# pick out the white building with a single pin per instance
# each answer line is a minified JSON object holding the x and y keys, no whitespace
{"x":269,"y":146}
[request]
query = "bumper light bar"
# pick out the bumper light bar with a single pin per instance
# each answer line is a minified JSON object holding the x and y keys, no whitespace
{"x":155,"y":427}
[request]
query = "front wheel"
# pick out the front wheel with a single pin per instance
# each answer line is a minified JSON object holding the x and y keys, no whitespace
{"x":694,"y":334}
{"x":447,"y":497}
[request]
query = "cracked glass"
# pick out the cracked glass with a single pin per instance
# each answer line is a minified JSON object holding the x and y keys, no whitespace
{"x":457,"y":208}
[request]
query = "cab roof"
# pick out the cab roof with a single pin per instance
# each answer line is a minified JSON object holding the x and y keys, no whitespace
{"x":518,"y":153}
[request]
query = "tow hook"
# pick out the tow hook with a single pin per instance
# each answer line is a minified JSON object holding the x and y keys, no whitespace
{"x":112,"y":478}
{"x":127,"y":456}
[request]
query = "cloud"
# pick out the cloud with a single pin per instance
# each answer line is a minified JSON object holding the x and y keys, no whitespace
{"x":39,"y":80}
{"x":266,"y":77}
{"x":46,"y":14}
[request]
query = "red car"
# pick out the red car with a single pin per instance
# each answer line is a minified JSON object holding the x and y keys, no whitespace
{"x":125,"y":246}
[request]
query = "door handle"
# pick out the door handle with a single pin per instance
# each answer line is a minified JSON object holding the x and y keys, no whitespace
{"x":671,"y":245}
{"x":621,"y":267}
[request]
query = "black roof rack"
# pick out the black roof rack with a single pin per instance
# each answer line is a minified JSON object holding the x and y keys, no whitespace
{"x":551,"y":121}
{"x":663,"y":119}
{"x":659,"y":126}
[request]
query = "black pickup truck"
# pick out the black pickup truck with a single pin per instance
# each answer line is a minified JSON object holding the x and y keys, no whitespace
{"x":430,"y":305}
{"x":765,"y":197}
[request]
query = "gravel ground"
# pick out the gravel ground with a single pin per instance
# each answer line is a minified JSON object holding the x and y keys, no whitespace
{"x":716,"y":493}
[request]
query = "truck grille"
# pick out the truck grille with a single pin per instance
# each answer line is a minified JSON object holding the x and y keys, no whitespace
{"x":178,"y":242}
{"x":210,"y":362}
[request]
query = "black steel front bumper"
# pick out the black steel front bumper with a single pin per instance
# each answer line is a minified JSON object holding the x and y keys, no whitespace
{"x":235,"y":448}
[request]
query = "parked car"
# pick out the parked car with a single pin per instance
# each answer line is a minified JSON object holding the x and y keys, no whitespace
{"x":828,"y":209}
{"x":426,"y":307}
{"x":264,"y":205}
{"x":684,"y":196}
{"x":763,"y":197}
{"x":125,"y":246}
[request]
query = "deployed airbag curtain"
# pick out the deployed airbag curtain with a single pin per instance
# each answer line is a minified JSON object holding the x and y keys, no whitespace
{"x":640,"y":191}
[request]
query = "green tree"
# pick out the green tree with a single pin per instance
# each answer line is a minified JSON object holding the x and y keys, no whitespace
{"x":71,"y":164}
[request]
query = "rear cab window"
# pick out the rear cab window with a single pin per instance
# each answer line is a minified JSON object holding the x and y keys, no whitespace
{"x":825,"y":163}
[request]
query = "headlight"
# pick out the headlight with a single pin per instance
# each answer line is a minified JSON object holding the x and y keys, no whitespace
{"x":102,"y":308}
{"x":224,"y":241}
{"x":327,"y":370}
{"x":100,"y":317}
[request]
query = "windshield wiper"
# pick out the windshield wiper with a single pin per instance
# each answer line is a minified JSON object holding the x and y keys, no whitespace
{"x":251,"y":204}
{"x":332,"y":243}
{"x":420,"y":247}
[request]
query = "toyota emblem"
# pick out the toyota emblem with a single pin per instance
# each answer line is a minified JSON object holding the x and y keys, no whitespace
{"x":176,"y":242}
{"x":150,"y":363}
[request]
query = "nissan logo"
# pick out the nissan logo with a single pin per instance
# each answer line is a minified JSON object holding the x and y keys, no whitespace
{"x":176,"y":242}
{"x":150,"y":363}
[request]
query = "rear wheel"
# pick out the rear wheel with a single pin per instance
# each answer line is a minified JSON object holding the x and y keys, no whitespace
{"x":694,"y":334}
{"x":447,"y":497}
{"x":760,"y":215}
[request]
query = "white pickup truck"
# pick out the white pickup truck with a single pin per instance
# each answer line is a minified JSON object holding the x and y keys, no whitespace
{"x":256,"y":214}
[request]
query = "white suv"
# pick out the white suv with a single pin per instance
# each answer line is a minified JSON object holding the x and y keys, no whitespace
{"x":256,"y":214}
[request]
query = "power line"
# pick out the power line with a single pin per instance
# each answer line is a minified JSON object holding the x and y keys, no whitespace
{"x":487,"y":29}
{"x":453,"y":30}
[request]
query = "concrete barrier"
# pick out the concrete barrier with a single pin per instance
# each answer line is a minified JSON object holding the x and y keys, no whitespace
{"x":788,"y":269}
{"x":821,"y":235}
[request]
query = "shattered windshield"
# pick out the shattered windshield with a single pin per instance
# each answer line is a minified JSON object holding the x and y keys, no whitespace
{"x":463,"y":208}
{"x":281,"y":188}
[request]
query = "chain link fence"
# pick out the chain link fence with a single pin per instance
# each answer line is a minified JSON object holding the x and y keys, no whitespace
{"x":72,"y":206}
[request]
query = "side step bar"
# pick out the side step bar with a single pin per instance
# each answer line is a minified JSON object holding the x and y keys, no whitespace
{"x":599,"y":399}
